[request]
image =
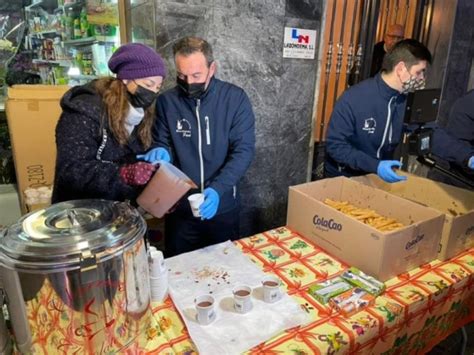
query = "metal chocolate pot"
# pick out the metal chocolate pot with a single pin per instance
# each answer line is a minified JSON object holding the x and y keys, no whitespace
{"x":74,"y":278}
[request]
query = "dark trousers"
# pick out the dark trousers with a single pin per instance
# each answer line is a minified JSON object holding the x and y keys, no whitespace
{"x":184,"y":232}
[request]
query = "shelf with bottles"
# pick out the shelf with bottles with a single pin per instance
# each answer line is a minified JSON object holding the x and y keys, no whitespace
{"x":64,"y":46}
{"x":48,"y":29}
{"x":84,"y":41}
{"x":77,"y":62}
{"x":59,"y":62}
{"x":44,"y":32}
{"x":68,"y":21}
{"x":82,"y":64}
{"x":82,"y":77}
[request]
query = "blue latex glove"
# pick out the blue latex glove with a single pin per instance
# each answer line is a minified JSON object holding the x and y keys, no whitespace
{"x":385,"y":172}
{"x":470,"y":163}
{"x":155,"y":154}
{"x":210,"y":205}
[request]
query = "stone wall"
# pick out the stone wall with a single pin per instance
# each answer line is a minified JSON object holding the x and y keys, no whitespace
{"x":247,"y":38}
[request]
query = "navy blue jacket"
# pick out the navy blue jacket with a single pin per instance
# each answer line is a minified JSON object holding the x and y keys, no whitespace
{"x":366,"y":127}
{"x":455,"y":142}
{"x":222,"y":123}
{"x":88,"y":156}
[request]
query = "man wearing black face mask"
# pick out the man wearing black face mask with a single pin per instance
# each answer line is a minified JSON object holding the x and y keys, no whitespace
{"x":104,"y":125}
{"x":207,"y":127}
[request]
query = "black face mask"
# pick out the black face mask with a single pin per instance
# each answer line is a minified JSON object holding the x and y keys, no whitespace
{"x":193,"y":91}
{"x":142,"y":97}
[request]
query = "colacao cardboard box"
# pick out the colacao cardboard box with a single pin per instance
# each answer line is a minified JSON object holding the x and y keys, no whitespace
{"x":455,"y":203}
{"x":382,"y":255}
{"x":32,"y":113}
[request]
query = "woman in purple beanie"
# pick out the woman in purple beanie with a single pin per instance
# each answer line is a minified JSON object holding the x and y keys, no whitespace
{"x":104,"y":125}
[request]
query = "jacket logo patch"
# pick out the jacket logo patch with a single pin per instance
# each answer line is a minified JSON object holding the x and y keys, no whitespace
{"x":183,"y":127}
{"x":369,"y":125}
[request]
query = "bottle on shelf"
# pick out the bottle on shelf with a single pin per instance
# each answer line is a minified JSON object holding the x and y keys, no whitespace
{"x":84,"y":23}
{"x":58,"y":49}
{"x":37,"y":24}
{"x":87,"y":63}
{"x":77,"y":28}
{"x":63,"y":29}
{"x":69,"y":27}
{"x":78,"y":60}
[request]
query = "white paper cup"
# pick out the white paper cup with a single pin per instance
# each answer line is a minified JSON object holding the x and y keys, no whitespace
{"x":271,"y":289}
{"x":195,"y":200}
{"x":205,"y":309}
{"x":242,"y":299}
{"x":159,"y":287}
{"x":156,"y":263}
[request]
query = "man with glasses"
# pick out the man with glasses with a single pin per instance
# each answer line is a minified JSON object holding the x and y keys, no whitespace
{"x":367,"y":120}
{"x":393,"y":35}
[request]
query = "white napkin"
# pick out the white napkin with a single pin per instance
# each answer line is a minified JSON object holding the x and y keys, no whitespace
{"x":216,"y":270}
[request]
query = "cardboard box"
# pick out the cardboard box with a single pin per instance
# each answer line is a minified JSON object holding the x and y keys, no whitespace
{"x":32,"y":114}
{"x":383,"y":255}
{"x":455,"y":203}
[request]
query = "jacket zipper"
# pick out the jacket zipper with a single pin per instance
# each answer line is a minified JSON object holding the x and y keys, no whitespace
{"x":208,"y":133}
{"x":390,"y":133}
{"x":387,"y":125}
{"x":201,"y":162}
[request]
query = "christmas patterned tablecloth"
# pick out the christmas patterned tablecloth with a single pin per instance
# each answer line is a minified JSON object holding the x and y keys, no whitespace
{"x":417,"y":310}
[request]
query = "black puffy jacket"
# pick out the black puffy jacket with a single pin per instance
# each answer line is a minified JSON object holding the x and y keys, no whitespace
{"x":88,"y":156}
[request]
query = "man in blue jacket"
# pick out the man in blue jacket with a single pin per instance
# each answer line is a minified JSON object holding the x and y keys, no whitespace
{"x":453,"y":145}
{"x":367,"y":120}
{"x":206,"y":127}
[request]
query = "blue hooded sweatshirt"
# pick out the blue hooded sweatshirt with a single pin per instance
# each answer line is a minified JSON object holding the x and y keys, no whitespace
{"x":366,"y":127}
{"x":211,"y":139}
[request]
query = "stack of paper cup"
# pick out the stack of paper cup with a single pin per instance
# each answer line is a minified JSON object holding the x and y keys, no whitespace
{"x":158,"y":275}
{"x":38,"y":195}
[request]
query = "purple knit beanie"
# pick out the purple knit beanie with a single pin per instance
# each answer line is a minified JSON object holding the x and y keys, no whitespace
{"x":135,"y":61}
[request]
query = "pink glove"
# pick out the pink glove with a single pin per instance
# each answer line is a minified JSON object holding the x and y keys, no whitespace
{"x":137,"y":174}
